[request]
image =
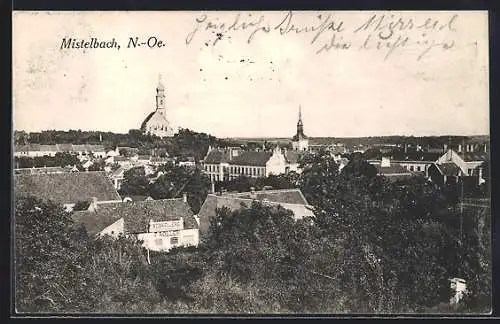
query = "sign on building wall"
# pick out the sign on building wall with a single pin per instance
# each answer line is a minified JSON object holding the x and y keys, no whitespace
{"x":165,"y":226}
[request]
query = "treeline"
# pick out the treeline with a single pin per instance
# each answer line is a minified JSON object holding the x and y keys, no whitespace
{"x":424,"y":141}
{"x":373,"y":247}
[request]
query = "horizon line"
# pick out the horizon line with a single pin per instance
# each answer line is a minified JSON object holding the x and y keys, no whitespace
{"x":260,"y":137}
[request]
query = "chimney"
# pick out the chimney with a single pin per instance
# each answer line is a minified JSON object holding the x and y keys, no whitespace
{"x":445,"y":148}
{"x":252,"y":193}
{"x":184,"y":197}
{"x":386,"y":162}
{"x":93,"y":204}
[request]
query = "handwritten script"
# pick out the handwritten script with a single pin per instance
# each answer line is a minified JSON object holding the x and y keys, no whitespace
{"x":382,"y":32}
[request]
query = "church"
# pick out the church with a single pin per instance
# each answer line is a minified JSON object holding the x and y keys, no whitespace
{"x":300,"y":141}
{"x":156,"y":123}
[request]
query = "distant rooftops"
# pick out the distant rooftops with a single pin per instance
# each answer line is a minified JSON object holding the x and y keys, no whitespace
{"x":59,"y":148}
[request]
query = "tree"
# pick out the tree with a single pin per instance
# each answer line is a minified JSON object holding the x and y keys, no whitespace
{"x":50,"y":274}
{"x":135,"y":182}
{"x":178,"y":180}
{"x":81,"y":205}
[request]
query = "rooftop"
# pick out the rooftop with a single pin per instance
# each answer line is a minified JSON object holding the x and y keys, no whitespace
{"x":291,"y":199}
{"x":59,"y":148}
{"x":252,"y":158}
{"x":136,"y":215}
{"x":67,"y":187}
{"x":448,"y":169}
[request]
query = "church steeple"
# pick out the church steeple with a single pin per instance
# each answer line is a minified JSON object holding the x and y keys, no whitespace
{"x":300,"y":125}
{"x":299,"y":140}
{"x":160,"y":97}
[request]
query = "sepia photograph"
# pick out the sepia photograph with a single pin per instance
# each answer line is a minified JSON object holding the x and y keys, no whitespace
{"x":240,"y":163}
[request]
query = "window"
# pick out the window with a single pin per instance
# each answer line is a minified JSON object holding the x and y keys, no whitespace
{"x":411,"y":167}
{"x":418,"y":168}
{"x":174,"y":240}
{"x":469,"y":171}
{"x":159,"y":241}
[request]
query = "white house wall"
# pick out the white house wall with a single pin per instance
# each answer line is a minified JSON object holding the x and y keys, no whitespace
{"x":162,"y":241}
{"x":276,"y":164}
{"x":115,"y":229}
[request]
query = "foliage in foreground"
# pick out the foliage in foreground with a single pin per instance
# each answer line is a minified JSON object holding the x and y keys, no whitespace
{"x":374,"y":247}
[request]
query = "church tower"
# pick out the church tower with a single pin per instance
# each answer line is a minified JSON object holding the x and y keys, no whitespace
{"x":156,"y":122}
{"x":160,"y":97}
{"x":300,"y":141}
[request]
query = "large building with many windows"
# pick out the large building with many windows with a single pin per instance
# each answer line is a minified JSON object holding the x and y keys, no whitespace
{"x":230,"y":163}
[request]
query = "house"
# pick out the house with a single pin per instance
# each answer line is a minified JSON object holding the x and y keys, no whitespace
{"x":44,"y":170}
{"x":157,"y":161}
{"x":231,"y":163}
{"x":117,"y":176}
{"x":417,"y":161}
{"x":392,"y":171}
{"x":66,"y":188}
{"x":36,"y":150}
{"x":120,"y":160}
{"x":87,"y":164}
{"x":160,"y":224}
{"x":452,"y":166}
{"x":291,"y":199}
{"x":189,"y":162}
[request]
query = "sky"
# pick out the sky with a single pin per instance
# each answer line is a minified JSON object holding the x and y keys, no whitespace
{"x":245,"y":74}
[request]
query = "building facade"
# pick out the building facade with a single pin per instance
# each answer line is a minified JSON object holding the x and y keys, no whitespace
{"x":231,"y":163}
{"x":156,"y":123}
{"x":159,"y":224}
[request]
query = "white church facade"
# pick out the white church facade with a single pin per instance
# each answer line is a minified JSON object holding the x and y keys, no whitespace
{"x":156,"y":123}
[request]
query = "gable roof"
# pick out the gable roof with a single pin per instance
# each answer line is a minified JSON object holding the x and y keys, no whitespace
{"x":136,"y":215}
{"x":217,"y":156}
{"x":252,"y":158}
{"x":474,"y":156}
{"x":67,"y":187}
